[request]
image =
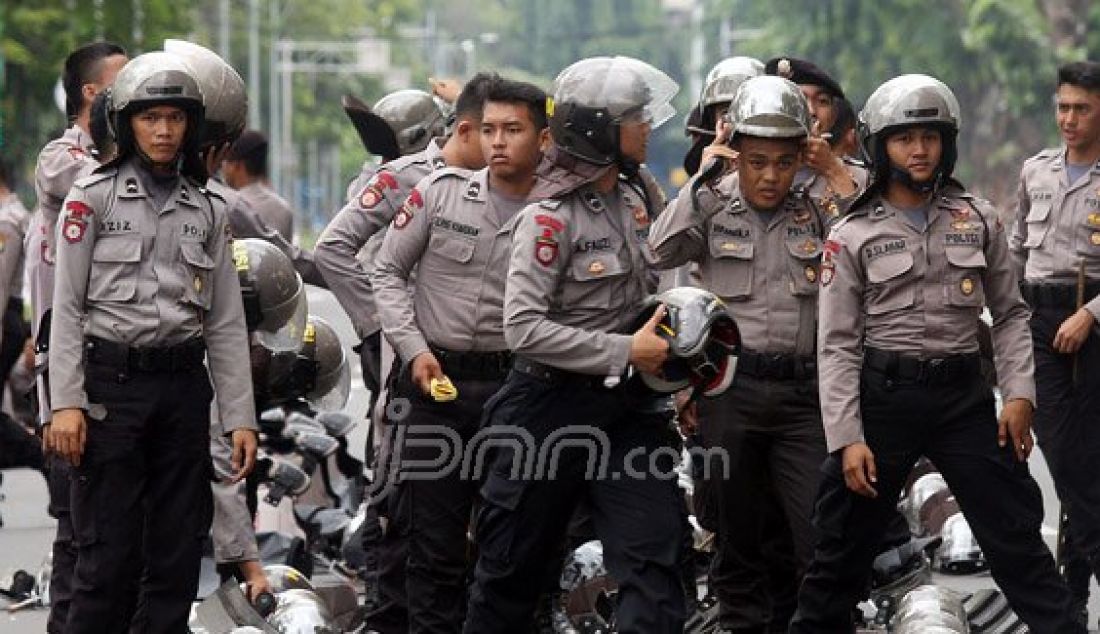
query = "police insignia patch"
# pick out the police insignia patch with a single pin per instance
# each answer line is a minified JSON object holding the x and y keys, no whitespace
{"x":966,"y":286}
{"x":375,"y":190}
{"x":76,"y":153}
{"x":412,"y":204}
{"x":640,"y":216}
{"x":811,"y":273}
{"x":828,"y":269}
{"x":546,"y":250}
{"x":76,"y":223}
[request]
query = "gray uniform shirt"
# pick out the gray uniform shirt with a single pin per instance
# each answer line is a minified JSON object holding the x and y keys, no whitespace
{"x":763,"y":265}
{"x":270,"y":206}
{"x":60,"y":162}
{"x":579,"y":269}
{"x":364,"y":216}
{"x":889,"y":286}
{"x":457,"y":234}
{"x":14,"y":221}
{"x":1057,"y":224}
{"x":130,"y":273}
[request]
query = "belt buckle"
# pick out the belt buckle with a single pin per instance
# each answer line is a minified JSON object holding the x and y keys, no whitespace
{"x":935,"y":369}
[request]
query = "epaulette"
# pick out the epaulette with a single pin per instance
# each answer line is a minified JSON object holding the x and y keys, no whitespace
{"x":209,"y":193}
{"x":1050,"y":152}
{"x":550,"y":203}
{"x":100,"y":174}
{"x":854,"y":162}
{"x":448,"y":172}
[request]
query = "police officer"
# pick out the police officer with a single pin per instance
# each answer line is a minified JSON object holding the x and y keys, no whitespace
{"x":720,"y":86}
{"x":904,"y":278}
{"x":1056,"y":245}
{"x":87,"y":71}
{"x":401,"y":123}
{"x":145,"y":289}
{"x":832,"y":180}
{"x":14,"y":219}
{"x":750,"y":234}
{"x":455,"y":230}
{"x":245,"y":169}
{"x":579,"y":269}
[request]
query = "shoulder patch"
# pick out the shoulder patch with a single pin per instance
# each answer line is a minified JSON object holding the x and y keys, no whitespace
{"x":412,"y":205}
{"x":77,"y":215}
{"x":376,"y":188}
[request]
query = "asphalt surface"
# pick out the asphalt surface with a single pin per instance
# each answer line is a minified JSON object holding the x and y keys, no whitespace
{"x":28,"y":531}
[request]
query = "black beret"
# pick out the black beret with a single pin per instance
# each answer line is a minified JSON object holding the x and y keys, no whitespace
{"x":803,"y":73}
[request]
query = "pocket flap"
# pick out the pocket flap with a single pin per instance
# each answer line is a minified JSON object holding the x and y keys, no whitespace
{"x":808,"y":248}
{"x":452,"y":248}
{"x":595,"y":266}
{"x":116,"y":249}
{"x":966,"y":257}
{"x":723,"y":247}
{"x":889,"y":266}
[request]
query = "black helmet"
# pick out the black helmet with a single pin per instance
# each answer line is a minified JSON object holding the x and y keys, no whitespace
{"x":703,"y":340}
{"x":592,"y":97}
{"x":273,"y":293}
{"x":318,"y":372}
{"x":157,"y":79}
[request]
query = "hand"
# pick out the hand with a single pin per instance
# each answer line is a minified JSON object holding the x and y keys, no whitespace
{"x":719,"y":147}
{"x":1015,"y":424}
{"x":255,"y":580}
{"x":1072,"y":333}
{"x":47,"y":439}
{"x":687,"y":413}
{"x":859,"y":469}
{"x":445,"y":89}
{"x":819,"y":157}
{"x":244,"y":453}
{"x":425,"y":367}
{"x":68,"y":433}
{"x":648,"y":350}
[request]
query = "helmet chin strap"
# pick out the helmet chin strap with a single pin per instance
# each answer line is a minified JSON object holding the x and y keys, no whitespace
{"x":926,"y":186}
{"x":154,"y":166}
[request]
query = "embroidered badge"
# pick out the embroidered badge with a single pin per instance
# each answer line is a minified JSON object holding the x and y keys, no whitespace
{"x":76,"y":221}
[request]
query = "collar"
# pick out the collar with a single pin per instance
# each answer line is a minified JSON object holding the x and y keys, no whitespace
{"x":434,"y":153}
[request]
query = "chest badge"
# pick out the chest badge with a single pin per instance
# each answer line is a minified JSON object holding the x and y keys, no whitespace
{"x":198,"y":284}
{"x":731,"y":246}
{"x":596,"y":268}
{"x":811,"y":274}
{"x":1095,"y":238}
{"x":1094,"y":219}
{"x":961,"y":225}
{"x":808,"y":247}
{"x":967,"y":286}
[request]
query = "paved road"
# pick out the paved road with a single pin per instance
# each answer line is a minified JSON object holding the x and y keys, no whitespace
{"x":28,"y":530}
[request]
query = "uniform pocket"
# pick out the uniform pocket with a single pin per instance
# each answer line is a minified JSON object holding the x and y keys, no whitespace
{"x":729,"y":273}
{"x":1037,"y":225}
{"x":452,"y":248}
{"x":115,"y":261}
{"x":589,"y":281}
{"x":888,"y":289}
{"x":199,"y":267}
{"x":805,"y":258}
{"x":963,"y":279}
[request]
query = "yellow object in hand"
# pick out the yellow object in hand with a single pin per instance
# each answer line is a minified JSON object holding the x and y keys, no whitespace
{"x":443,"y":390}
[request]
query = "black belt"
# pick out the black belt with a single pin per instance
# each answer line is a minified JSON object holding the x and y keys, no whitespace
{"x":764,"y":365}
{"x":186,"y":356}
{"x":558,"y":376}
{"x":898,"y":366}
{"x":1053,"y":295}
{"x":475,"y":366}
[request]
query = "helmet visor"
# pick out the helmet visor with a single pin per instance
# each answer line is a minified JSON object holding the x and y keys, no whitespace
{"x":288,"y":338}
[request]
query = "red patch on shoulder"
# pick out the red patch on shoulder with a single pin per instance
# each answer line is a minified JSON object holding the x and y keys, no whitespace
{"x":549,"y":221}
{"x":76,"y":221}
{"x":376,"y":189}
{"x":76,"y":153}
{"x":828,"y":271}
{"x":412,"y":204}
{"x":832,"y":248}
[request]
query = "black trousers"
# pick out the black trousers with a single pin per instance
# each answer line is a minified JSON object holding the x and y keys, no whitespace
{"x":1066,"y":424}
{"x":141,"y":501}
{"x":951,"y":421}
{"x":425,"y":557}
{"x":770,"y":433}
{"x":570,"y":440}
{"x":58,"y":474}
